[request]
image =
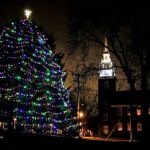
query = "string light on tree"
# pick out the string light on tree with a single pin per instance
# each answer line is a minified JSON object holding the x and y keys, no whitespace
{"x":27,"y":13}
{"x":32,"y":78}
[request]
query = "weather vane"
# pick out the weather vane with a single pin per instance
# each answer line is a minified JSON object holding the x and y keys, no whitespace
{"x":27,"y":13}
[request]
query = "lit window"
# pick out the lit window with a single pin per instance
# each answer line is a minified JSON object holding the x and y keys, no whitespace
{"x":138,"y":111}
{"x":139,"y":126}
{"x":149,"y":110}
{"x":2,"y":124}
{"x":128,"y":126}
{"x":105,"y":129}
{"x":119,"y":124}
{"x":128,"y":112}
{"x":119,"y":111}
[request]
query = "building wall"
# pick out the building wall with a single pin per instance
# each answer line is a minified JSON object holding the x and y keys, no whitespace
{"x":119,"y":112}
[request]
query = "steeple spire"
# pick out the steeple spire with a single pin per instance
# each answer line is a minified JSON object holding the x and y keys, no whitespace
{"x":106,"y":65}
{"x":106,"y":55}
{"x":106,"y":45}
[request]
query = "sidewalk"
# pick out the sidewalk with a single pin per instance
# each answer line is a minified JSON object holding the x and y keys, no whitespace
{"x":106,"y":139}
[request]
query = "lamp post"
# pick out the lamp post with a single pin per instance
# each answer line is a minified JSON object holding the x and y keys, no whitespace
{"x":77,"y":76}
{"x":131,"y":130}
{"x":81,"y":114}
{"x":14,"y":119}
{"x":80,"y":118}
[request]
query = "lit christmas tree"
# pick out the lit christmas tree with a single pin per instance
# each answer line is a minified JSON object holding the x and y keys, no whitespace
{"x":32,"y":80}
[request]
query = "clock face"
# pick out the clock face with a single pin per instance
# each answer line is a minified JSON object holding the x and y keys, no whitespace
{"x":106,"y":73}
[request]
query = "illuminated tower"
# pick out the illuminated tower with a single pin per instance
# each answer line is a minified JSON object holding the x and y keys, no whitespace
{"x":106,"y":65}
{"x":106,"y":86}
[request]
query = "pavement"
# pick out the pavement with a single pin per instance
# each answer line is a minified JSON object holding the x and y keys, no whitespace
{"x":107,"y":139}
{"x":17,"y":141}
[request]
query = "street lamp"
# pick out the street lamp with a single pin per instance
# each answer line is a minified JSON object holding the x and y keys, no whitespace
{"x":131,"y":132}
{"x":80,"y":119}
{"x":14,"y":119}
{"x":81,"y":114}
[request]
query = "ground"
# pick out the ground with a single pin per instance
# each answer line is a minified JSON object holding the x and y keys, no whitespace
{"x":26,"y":141}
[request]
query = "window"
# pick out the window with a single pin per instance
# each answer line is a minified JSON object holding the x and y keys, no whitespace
{"x":128,"y":126}
{"x":128,"y":112}
{"x":138,"y":111}
{"x":106,"y":58}
{"x":105,"y":117}
{"x":119,"y":125}
{"x":149,"y":111}
{"x":105,"y":129}
{"x":106,"y":66}
{"x":119,"y":111}
{"x":139,"y":126}
{"x":2,"y":124}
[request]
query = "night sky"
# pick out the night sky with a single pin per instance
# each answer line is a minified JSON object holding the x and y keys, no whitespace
{"x":50,"y":14}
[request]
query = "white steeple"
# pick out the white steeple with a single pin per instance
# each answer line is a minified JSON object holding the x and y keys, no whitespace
{"x":106,"y":56}
{"x":106,"y":65}
{"x":106,"y":45}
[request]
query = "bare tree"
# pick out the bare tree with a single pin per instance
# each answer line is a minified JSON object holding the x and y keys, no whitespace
{"x":90,"y":21}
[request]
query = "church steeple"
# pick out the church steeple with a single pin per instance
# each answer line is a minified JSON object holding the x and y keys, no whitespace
{"x":106,"y":45}
{"x":106,"y":87}
{"x":106,"y":64}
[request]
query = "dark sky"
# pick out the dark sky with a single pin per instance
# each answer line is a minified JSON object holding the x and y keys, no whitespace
{"x":50,"y":14}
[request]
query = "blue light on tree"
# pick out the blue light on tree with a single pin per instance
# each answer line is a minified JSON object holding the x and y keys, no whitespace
{"x":41,"y":40}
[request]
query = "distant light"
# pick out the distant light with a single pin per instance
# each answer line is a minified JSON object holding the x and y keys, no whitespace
{"x":81,"y":114}
{"x":27,"y":13}
{"x":15,"y":119}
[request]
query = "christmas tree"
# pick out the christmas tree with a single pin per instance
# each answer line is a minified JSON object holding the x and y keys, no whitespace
{"x":32,"y":80}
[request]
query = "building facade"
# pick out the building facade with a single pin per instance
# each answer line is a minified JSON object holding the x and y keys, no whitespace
{"x":122,"y":114}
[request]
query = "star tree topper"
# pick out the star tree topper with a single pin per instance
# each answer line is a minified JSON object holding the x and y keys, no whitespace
{"x":27,"y":13}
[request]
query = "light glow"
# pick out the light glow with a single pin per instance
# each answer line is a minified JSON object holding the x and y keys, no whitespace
{"x":33,"y":80}
{"x":27,"y":13}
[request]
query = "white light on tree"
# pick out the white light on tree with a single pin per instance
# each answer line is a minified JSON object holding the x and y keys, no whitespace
{"x":27,"y":13}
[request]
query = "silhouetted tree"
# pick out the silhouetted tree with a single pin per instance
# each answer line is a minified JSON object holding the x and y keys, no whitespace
{"x":126,"y":27}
